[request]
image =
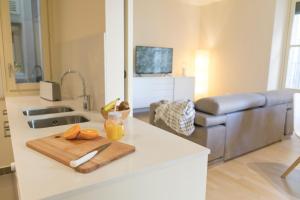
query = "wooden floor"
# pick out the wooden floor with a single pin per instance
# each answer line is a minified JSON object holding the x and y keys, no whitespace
{"x":256,"y":176}
{"x":8,"y":190}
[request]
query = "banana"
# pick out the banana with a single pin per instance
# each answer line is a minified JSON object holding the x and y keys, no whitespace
{"x":111,"y":105}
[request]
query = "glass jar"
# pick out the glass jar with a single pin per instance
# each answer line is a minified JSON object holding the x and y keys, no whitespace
{"x":114,"y":126}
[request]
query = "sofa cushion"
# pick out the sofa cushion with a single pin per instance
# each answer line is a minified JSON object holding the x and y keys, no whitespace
{"x":278,"y":97}
{"x":230,"y":103}
{"x":207,"y":120}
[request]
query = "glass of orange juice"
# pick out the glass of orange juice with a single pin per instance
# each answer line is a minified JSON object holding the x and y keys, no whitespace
{"x":114,"y":126}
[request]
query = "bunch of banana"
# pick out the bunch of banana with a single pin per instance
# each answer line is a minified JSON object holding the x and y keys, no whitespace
{"x":111,"y":105}
{"x":114,"y":105}
{"x":124,"y":105}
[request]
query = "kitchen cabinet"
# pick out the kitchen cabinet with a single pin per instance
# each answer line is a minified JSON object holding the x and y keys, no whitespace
{"x":147,"y":90}
{"x":6,"y":154}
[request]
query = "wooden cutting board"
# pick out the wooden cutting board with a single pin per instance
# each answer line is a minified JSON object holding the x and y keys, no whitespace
{"x":64,"y":151}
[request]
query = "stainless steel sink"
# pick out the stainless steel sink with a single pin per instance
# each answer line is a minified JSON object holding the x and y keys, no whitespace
{"x":57,"y":121}
{"x":48,"y":110}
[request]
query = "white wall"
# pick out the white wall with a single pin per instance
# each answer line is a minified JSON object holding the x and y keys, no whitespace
{"x":114,"y":50}
{"x":77,"y":38}
{"x":245,"y":39}
{"x":88,"y":36}
{"x":129,"y":46}
{"x":169,"y":23}
{"x":239,"y":35}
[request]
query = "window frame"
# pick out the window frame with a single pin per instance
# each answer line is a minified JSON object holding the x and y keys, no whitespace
{"x":11,"y":88}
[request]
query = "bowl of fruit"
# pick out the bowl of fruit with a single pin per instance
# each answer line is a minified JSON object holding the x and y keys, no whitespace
{"x":114,"y":106}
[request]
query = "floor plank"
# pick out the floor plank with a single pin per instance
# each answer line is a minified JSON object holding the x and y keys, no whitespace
{"x":256,"y":176}
{"x":8,"y":189}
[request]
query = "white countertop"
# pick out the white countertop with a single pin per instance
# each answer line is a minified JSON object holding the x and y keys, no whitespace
{"x":41,"y":177}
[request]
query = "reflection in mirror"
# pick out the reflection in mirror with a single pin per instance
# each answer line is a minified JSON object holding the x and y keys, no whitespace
{"x":26,"y":40}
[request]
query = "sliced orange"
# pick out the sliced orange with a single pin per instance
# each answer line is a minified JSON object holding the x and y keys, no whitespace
{"x":88,"y":134}
{"x":72,"y":132}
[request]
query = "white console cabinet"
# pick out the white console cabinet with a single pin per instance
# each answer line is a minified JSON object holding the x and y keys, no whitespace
{"x":147,"y":90}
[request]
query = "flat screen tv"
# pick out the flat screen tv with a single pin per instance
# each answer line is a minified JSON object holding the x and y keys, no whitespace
{"x":153,"y":60}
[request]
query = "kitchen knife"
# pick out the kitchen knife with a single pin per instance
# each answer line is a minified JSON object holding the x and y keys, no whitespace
{"x":88,"y":156}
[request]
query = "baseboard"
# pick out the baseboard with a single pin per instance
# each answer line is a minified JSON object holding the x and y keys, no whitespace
{"x":286,"y":137}
{"x":215,"y":162}
{"x":140,"y":110}
{"x":5,"y":170}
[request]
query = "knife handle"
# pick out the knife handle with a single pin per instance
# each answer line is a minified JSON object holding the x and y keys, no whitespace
{"x":83,"y":159}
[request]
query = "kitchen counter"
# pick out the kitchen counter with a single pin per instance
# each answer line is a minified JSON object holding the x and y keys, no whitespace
{"x":161,"y":167}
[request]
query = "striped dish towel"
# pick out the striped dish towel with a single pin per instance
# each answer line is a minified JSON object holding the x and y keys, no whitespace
{"x":178,"y":115}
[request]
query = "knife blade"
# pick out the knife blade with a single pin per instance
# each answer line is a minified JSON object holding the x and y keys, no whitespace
{"x":88,"y":156}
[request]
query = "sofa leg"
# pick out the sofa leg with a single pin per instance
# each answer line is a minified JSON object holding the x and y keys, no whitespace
{"x":291,"y":168}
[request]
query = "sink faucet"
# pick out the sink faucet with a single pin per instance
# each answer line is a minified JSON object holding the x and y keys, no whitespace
{"x":86,"y":98}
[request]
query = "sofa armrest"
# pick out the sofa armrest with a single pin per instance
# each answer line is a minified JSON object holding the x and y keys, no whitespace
{"x":153,"y":107}
{"x":207,"y":120}
{"x":289,"y":122}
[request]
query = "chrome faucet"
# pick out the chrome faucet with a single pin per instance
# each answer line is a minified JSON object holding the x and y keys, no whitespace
{"x":86,"y":98}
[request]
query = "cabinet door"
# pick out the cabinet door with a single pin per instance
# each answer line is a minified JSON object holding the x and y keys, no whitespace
{"x":6,"y":154}
{"x":184,"y":88}
{"x":147,"y":90}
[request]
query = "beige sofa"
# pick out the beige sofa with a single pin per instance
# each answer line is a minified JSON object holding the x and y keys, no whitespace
{"x":233,"y":125}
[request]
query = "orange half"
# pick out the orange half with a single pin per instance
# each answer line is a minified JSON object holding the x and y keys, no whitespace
{"x":72,"y":132}
{"x":88,"y":134}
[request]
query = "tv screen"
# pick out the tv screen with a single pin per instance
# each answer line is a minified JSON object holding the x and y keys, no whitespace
{"x":153,"y":60}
